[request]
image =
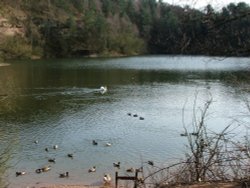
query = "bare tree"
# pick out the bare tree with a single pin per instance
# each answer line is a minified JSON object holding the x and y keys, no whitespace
{"x":210,"y":156}
{"x":5,"y":156}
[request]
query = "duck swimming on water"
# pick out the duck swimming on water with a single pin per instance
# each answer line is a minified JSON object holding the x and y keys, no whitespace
{"x":52,"y":160}
{"x":141,"y":118}
{"x":45,"y":168}
{"x":20,"y":173}
{"x":70,"y":155}
{"x":39,"y":170}
{"x":130,"y":170}
{"x":108,"y":144}
{"x":107,"y":178}
{"x":94,"y":142}
{"x":93,"y":169}
{"x":103,"y":89}
{"x":151,"y":163}
{"x":117,"y":165}
{"x":64,"y":175}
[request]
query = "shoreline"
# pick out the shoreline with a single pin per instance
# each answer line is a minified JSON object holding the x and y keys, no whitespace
{"x":194,"y":185}
{"x":64,"y":186}
{"x":61,"y":185}
{"x":4,"y":64}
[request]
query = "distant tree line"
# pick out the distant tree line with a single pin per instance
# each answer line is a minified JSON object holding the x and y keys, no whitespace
{"x":59,"y":28}
{"x":190,"y":31}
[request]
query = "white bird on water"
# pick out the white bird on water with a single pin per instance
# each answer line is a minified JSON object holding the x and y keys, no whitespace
{"x":103,"y":89}
{"x":93,"y":169}
{"x":107,"y":178}
{"x":108,"y":144}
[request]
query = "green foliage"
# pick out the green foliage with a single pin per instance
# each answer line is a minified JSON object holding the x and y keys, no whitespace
{"x":59,"y":28}
{"x":63,"y":4}
{"x":15,"y":47}
{"x":91,"y":5}
{"x":107,"y":7}
{"x":122,"y":7}
{"x":95,"y":31}
{"x":145,"y":17}
{"x":130,"y":10}
{"x":126,"y":43}
{"x":78,"y":4}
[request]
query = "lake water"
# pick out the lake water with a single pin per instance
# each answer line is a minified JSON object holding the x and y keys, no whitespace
{"x":58,"y":102}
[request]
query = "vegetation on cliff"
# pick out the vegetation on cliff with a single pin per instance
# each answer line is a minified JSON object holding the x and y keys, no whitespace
{"x":60,"y":28}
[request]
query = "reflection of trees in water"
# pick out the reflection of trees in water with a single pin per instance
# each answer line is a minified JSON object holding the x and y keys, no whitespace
{"x":7,"y":92}
{"x":5,"y":157}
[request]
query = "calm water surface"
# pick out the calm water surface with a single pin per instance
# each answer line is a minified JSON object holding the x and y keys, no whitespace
{"x":57,"y":102}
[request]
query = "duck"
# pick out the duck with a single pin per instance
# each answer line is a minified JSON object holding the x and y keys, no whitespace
{"x":94,"y":142}
{"x":64,"y":175}
{"x":194,"y":134}
{"x":151,"y":163}
{"x":135,"y":115}
{"x":141,"y":118}
{"x":70,"y":155}
{"x":93,"y":169}
{"x":103,"y":89}
{"x":52,"y":160}
{"x":46,"y":149}
{"x":117,"y":165}
{"x":107,"y":178}
{"x":184,"y":134}
{"x":55,"y":147}
{"x":36,"y":141}
{"x":130,"y":170}
{"x":108,"y":144}
{"x":39,"y":170}
{"x":129,"y":114}
{"x":46,"y":168}
{"x":20,"y":173}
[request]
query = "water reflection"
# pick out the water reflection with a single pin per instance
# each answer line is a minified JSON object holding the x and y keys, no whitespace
{"x":8,"y":145}
{"x":58,"y":102}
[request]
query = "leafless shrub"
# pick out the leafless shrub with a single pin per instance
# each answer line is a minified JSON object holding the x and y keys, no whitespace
{"x":211,"y":156}
{"x":5,"y":156}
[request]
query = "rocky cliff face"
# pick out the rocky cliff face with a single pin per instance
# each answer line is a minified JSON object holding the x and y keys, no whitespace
{"x":11,"y":21}
{"x":13,"y":41}
{"x":9,"y":30}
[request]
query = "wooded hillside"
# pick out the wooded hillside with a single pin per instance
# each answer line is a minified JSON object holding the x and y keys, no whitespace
{"x":65,"y":28}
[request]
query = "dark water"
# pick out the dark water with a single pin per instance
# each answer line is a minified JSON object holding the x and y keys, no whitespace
{"x":58,"y":102}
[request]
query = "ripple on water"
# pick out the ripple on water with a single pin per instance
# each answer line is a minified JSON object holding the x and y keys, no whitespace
{"x":70,"y":112}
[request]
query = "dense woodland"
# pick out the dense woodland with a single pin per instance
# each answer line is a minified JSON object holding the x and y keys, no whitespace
{"x":66,"y":28}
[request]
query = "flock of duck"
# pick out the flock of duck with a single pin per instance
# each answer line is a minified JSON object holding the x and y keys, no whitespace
{"x":106,"y":178}
{"x":136,"y":115}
